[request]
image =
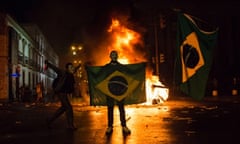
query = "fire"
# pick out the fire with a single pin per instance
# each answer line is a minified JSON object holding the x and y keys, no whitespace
{"x":156,"y":91}
{"x":124,"y":40}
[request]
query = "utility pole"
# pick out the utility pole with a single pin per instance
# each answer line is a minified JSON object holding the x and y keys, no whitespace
{"x":156,"y":47}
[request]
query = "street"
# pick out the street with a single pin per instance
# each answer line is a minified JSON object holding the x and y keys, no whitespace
{"x":177,"y":121}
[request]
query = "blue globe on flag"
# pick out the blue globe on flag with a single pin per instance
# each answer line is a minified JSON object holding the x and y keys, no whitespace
{"x":117,"y":85}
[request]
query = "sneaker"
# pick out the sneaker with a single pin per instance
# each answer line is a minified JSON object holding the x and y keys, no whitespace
{"x":126,"y":130}
{"x":109,"y":130}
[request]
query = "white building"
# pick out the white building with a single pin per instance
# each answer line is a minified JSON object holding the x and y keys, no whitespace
{"x":23,"y":49}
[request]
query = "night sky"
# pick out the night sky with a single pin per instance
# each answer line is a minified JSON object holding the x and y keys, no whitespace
{"x":65,"y":22}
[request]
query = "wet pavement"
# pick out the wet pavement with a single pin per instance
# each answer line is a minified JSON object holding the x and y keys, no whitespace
{"x":179,"y":120}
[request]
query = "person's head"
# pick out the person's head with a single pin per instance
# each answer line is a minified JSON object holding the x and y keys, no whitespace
{"x":114,"y":55}
{"x":69,"y":67}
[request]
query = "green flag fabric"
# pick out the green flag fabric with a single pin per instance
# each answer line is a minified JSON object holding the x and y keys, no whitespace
{"x":194,"y":56}
{"x":121,"y":82}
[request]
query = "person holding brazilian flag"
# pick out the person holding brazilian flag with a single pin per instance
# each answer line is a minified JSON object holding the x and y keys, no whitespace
{"x":116,"y":83}
{"x":194,"y":56}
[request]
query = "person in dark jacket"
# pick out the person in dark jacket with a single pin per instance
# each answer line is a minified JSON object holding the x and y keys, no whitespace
{"x":111,"y":102}
{"x":62,"y":86}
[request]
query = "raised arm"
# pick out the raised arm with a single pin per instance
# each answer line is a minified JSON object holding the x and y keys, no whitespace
{"x":53,"y":67}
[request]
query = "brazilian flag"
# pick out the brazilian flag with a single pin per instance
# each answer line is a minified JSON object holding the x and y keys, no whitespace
{"x":194,"y":56}
{"x":120,"y":82}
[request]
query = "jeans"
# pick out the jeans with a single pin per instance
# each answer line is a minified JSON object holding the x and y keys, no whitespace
{"x":110,"y":109}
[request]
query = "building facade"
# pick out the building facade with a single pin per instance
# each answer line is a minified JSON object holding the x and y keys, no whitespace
{"x":23,"y":49}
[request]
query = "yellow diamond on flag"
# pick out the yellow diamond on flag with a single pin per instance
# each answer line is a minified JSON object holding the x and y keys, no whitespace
{"x":118,"y":85}
{"x":191,"y":56}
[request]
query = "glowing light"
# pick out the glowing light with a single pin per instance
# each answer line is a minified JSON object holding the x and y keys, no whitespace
{"x":15,"y":75}
{"x":80,"y":48}
{"x":74,"y":53}
{"x":73,"y":47}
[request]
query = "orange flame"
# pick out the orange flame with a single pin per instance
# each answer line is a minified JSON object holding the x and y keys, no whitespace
{"x":124,"y":41}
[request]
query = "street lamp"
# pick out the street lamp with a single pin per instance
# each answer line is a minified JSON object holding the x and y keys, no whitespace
{"x":77,"y":58}
{"x":77,"y":61}
{"x":76,"y":49}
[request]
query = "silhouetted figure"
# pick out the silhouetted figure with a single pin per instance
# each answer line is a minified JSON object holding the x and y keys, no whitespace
{"x":111,"y":102}
{"x":62,"y":86}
